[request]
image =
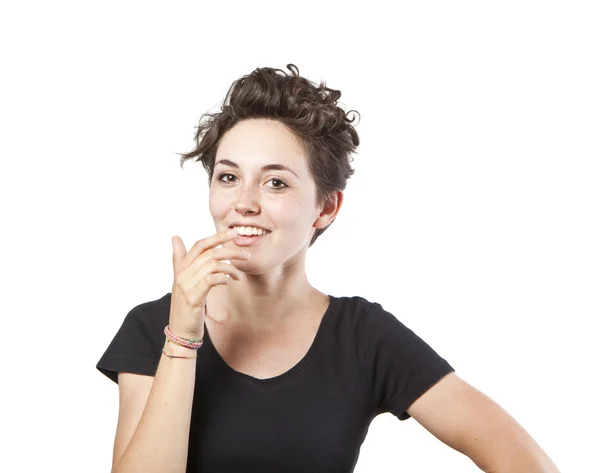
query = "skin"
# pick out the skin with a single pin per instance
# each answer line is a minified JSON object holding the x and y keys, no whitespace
{"x":274,"y":293}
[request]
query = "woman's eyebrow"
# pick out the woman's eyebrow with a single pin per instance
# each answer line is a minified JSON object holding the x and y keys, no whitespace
{"x":268,"y":167}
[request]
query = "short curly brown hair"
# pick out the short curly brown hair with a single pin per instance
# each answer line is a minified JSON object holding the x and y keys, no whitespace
{"x":309,"y":111}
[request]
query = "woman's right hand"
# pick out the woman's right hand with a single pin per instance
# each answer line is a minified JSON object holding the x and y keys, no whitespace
{"x":194,"y":275}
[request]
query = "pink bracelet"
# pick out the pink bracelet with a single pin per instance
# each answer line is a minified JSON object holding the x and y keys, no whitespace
{"x":193,"y":343}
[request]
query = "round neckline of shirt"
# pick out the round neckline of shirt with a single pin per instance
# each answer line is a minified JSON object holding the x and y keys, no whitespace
{"x":304,"y":364}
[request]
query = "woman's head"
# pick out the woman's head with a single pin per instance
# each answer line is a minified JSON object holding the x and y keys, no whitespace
{"x":306,"y":112}
{"x":261,"y":179}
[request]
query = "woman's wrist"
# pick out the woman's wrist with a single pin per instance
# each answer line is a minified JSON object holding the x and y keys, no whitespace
{"x":172,"y":348}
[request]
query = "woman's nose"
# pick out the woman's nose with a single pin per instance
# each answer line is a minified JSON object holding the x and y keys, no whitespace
{"x":247,"y":202}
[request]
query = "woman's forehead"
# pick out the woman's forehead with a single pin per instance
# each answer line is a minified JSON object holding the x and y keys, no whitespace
{"x":261,"y":144}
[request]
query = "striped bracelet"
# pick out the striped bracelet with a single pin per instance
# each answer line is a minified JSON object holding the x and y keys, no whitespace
{"x":193,"y":343}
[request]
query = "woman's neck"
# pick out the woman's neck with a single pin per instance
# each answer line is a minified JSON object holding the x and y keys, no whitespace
{"x":261,"y":304}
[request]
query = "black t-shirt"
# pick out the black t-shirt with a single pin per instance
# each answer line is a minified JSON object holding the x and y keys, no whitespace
{"x":312,"y":418}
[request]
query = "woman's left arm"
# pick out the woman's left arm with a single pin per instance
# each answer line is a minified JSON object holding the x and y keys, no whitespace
{"x":472,"y":423}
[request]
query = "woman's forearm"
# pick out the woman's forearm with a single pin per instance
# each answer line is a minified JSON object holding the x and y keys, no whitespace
{"x":160,"y":441}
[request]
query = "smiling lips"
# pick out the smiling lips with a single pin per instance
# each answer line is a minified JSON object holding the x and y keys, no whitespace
{"x":248,"y":235}
{"x":250,"y":231}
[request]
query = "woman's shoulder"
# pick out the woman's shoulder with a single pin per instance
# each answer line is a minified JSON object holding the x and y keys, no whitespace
{"x":362,"y":309}
{"x":151,"y":312}
{"x":369,"y":318}
{"x":156,"y":305}
{"x":357,"y":303}
{"x":136,"y":347}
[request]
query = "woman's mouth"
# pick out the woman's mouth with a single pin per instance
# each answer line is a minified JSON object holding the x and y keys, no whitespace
{"x":249,"y":239}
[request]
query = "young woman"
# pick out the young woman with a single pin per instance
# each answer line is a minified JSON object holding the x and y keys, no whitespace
{"x":246,"y":367}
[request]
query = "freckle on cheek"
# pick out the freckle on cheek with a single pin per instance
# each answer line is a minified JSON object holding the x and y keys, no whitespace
{"x":297,"y":199}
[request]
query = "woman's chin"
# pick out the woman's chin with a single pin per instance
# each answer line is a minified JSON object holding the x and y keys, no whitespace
{"x":245,"y":267}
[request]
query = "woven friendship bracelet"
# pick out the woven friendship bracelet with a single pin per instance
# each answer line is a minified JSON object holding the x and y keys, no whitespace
{"x":193,"y":343}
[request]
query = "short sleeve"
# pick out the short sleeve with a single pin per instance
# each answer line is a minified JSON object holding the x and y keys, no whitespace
{"x":136,"y":347}
{"x":400,"y":365}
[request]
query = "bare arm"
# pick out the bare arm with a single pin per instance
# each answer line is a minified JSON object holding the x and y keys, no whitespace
{"x":472,"y":423}
{"x":159,"y":442}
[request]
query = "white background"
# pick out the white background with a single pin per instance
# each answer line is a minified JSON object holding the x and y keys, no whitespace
{"x":473,"y":215}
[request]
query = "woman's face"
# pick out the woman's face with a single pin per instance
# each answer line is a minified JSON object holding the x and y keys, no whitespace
{"x":261,"y":178}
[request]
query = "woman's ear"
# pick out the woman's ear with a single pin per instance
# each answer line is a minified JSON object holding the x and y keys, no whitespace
{"x":329,"y":209}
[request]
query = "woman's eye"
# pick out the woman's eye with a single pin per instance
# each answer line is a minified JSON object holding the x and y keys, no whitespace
{"x":278,"y":184}
{"x":226,"y":174}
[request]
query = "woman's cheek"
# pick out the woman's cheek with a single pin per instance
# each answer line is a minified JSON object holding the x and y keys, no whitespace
{"x":219,"y":197}
{"x":284,"y":207}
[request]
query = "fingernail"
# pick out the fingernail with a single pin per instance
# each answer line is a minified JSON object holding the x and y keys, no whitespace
{"x":231,"y":232}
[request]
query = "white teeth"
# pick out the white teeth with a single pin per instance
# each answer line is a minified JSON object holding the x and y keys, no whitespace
{"x":250,"y":231}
